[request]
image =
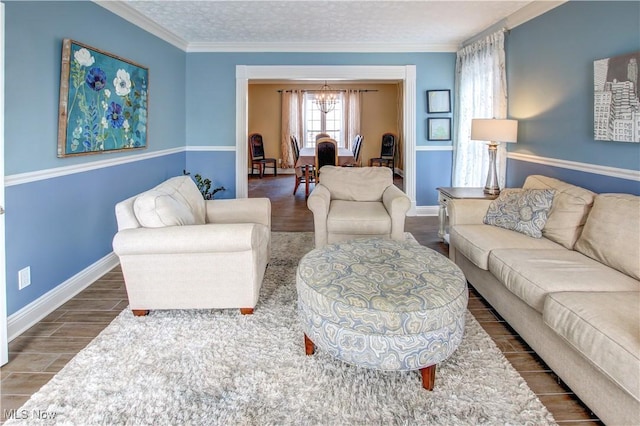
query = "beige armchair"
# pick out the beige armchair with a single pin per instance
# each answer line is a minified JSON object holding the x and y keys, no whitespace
{"x":357,"y":202}
{"x":178,"y":251}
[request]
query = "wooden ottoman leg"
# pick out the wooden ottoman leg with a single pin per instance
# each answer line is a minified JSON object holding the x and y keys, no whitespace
{"x":246,"y":311}
{"x":428,"y":377}
{"x":309,"y":347}
{"x":140,"y":312}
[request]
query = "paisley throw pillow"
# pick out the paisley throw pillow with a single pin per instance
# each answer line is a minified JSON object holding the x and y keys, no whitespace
{"x":521,"y":210}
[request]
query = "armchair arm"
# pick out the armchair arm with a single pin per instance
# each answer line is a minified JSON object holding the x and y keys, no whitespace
{"x":207,"y":238}
{"x":239,"y":210}
{"x":397,"y":204}
{"x":467,"y":211}
{"x":318,"y":202}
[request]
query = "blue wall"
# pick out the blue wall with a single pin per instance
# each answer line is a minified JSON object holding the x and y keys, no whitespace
{"x":211,"y":79}
{"x":62,"y":225}
{"x":550,"y":78}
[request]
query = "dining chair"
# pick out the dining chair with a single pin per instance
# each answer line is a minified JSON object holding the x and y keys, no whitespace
{"x":357,"y":147}
{"x":355,"y":150}
{"x":300,"y":171}
{"x":256,"y":152}
{"x":322,"y":135}
{"x":326,"y":154}
{"x":387,"y":152}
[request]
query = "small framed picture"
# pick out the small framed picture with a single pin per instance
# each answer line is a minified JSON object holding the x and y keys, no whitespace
{"x":438,"y":101}
{"x":439,"y":129}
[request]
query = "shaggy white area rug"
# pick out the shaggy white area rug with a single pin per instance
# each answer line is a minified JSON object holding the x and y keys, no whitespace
{"x":223,"y":368}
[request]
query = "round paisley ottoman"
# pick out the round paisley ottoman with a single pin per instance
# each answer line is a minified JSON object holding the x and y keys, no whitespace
{"x":382,"y":304}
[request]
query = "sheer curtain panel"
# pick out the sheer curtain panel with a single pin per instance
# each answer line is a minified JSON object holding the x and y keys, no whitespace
{"x":351,"y":116}
{"x":292,"y":124}
{"x":481,"y":93}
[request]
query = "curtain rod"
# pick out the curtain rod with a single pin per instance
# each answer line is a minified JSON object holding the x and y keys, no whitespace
{"x":318,"y":90}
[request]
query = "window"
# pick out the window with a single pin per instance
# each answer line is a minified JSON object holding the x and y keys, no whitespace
{"x":316,"y":121}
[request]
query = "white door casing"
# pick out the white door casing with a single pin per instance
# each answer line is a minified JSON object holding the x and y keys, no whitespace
{"x":404,"y":73}
{"x":4,"y":350}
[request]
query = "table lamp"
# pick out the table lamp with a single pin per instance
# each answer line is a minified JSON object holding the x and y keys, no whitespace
{"x":493,"y":131}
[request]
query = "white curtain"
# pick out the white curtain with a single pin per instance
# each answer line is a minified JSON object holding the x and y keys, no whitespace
{"x":481,"y":93}
{"x":351,"y":118}
{"x":292,"y":124}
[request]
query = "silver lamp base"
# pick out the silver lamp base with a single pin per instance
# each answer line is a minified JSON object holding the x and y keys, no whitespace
{"x":492,"y":187}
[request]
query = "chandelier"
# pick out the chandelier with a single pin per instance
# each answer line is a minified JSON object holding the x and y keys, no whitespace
{"x":326,"y":98}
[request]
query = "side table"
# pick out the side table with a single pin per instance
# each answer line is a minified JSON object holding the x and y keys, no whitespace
{"x":451,"y":193}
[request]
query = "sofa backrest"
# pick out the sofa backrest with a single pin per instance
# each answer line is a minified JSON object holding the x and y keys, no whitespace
{"x":569,"y":211}
{"x":176,"y":201}
{"x":356,"y":183}
{"x":612,"y":233}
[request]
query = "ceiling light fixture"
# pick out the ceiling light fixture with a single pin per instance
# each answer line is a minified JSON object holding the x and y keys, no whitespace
{"x":326,"y":98}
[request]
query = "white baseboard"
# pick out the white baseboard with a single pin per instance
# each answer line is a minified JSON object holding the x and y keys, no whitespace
{"x":28,"y":316}
{"x":427,"y":210}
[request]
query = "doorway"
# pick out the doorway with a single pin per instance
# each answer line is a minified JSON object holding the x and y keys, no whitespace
{"x":404,"y":73}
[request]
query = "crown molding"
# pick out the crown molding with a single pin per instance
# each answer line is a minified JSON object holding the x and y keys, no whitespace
{"x":123,"y":10}
{"x":532,"y":10}
{"x":202,"y":47}
{"x":519,"y":17}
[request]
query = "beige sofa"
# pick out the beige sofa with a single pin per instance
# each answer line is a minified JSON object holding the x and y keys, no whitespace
{"x":573,"y":295}
{"x":357,"y":202}
{"x":178,"y":251}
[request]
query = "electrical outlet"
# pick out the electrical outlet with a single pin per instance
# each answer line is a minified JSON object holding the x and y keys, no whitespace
{"x":24,"y":277}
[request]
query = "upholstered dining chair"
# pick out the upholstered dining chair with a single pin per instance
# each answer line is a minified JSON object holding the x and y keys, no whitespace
{"x":322,"y":135}
{"x":326,"y":154}
{"x":300,"y":171}
{"x":258,"y":159}
{"x":387,"y":152}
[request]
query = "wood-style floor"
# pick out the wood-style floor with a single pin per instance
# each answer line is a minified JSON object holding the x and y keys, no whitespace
{"x":39,"y":353}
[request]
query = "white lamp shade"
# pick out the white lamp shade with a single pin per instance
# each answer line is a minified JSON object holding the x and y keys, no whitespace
{"x":494,"y":130}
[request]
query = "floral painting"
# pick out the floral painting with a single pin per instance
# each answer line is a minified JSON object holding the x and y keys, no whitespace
{"x":103,"y":102}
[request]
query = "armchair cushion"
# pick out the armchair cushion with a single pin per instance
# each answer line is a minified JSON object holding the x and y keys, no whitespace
{"x":356,"y":183}
{"x":156,"y":209}
{"x":176,"y":201}
{"x":358,"y":218}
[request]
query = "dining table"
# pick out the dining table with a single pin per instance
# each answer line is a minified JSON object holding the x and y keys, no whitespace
{"x":308,"y":158}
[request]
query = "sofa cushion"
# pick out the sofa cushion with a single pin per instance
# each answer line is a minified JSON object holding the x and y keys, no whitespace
{"x":521,"y":210}
{"x":569,"y":210}
{"x":605,"y":328}
{"x":358,"y":218}
{"x":533,"y":274}
{"x":475,"y":242}
{"x":612,"y":233}
{"x":364,"y":183}
{"x":184,"y":189}
{"x":156,"y":209}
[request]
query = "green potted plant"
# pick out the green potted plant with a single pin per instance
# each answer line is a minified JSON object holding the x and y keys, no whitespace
{"x":204,"y":185}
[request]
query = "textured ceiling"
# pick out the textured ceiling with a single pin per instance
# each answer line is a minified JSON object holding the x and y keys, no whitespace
{"x":373,"y":22}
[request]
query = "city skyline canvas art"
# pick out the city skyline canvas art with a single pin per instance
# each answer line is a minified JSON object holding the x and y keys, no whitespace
{"x":616,"y":104}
